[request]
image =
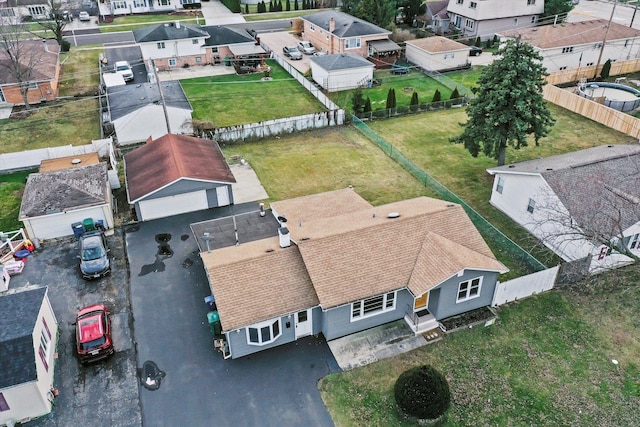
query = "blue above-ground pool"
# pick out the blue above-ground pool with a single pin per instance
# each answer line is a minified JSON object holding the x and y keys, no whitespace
{"x":613,"y":95}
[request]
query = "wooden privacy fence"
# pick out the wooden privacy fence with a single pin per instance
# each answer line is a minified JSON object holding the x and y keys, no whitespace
{"x":524,"y":286}
{"x":607,"y":116}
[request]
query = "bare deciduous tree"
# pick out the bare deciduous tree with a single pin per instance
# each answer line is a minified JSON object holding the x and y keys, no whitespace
{"x":58,"y":20}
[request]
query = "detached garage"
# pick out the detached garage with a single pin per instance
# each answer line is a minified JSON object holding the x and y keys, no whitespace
{"x":56,"y":199}
{"x":437,"y":53}
{"x":176,"y":174}
{"x":344,"y":71}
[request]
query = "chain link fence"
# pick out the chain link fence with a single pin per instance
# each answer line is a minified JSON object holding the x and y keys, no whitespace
{"x":501,"y":243}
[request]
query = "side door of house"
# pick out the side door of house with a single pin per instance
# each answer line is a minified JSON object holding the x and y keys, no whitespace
{"x":303,"y":324}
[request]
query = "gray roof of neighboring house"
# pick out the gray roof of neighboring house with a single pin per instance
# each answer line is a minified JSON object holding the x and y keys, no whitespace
{"x":341,"y":61}
{"x":64,"y":189}
{"x":126,"y":99}
{"x":346,"y":25}
{"x":40,"y":57}
{"x":223,"y":36}
{"x":19,"y":316}
{"x":168,"y":31}
{"x":597,"y":185}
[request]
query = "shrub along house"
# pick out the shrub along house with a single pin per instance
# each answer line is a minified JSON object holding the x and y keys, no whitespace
{"x":340,"y":265}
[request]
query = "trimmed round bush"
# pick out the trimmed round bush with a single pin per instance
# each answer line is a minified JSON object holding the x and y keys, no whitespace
{"x":422,"y":392}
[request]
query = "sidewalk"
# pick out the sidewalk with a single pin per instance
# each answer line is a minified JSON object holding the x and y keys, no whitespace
{"x":215,"y":13}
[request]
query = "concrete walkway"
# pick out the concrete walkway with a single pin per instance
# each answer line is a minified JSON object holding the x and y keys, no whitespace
{"x":374,"y":344}
{"x":216,"y":13}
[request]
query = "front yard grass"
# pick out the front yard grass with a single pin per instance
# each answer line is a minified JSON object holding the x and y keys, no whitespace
{"x":230,"y":100}
{"x":424,"y":138}
{"x":11,"y":189}
{"x":546,"y":362}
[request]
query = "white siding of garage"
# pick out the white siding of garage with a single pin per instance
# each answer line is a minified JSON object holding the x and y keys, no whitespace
{"x":436,"y":61}
{"x":57,"y":225}
{"x":336,"y":80}
{"x":172,"y":205}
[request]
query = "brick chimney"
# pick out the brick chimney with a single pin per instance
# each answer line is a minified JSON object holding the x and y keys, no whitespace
{"x":332,"y":24}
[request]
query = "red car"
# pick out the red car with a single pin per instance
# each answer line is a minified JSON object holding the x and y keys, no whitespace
{"x":93,"y":333}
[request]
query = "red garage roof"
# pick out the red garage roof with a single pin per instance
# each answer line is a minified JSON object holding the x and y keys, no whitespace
{"x":171,"y":158}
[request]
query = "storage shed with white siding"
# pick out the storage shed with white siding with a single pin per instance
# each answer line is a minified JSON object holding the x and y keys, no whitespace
{"x":437,"y":53}
{"x":341,"y":72}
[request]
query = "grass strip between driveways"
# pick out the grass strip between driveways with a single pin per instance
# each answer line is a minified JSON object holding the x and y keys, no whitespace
{"x":230,"y":100}
{"x":11,"y":189}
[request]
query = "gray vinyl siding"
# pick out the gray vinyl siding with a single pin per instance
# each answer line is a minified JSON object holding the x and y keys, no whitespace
{"x":442,"y":303}
{"x":212,"y":195}
{"x":184,"y":186}
{"x":337,"y":321}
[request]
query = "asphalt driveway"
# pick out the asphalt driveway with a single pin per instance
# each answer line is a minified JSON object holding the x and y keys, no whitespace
{"x":277,"y":387}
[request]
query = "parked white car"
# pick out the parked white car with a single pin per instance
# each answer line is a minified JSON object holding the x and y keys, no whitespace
{"x":306,"y":47}
{"x":84,"y":16}
{"x":124,"y":69}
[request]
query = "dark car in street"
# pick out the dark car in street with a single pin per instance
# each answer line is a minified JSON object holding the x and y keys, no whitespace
{"x":94,"y":255}
{"x":93,"y":334}
{"x":475,"y":51}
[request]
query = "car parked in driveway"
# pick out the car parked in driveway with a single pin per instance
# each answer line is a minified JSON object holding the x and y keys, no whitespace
{"x":84,"y":16}
{"x":475,"y":51}
{"x":306,"y":47}
{"x":94,"y":255}
{"x":124,"y":69}
{"x":292,"y":52}
{"x":93,"y":333}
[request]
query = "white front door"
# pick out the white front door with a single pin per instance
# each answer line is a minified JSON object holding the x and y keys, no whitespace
{"x":223,"y":195}
{"x":303,"y":323}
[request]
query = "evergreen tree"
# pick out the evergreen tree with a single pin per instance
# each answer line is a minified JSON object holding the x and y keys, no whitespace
{"x":270,"y":5}
{"x":606,"y":69}
{"x":413,"y":104}
{"x":391,"y":101}
{"x":295,"y":5}
{"x":367,"y":105}
{"x":455,"y":94}
{"x":508,"y":106}
{"x":288,"y":5}
{"x":478,"y":42}
{"x":437,"y":97}
{"x":246,"y":8}
{"x":357,"y":101}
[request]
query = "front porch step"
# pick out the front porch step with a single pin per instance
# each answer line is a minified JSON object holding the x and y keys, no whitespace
{"x":420,"y":325}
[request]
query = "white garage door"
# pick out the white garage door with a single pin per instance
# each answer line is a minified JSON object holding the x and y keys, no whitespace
{"x":59,"y":225}
{"x":173,"y":205}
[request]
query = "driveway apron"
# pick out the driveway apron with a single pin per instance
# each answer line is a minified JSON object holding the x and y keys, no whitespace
{"x":277,"y":387}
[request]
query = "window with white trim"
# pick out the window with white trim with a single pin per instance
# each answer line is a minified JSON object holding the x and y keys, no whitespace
{"x":164,"y":2}
{"x":459,"y":1}
{"x":469,"y":289}
{"x":160,"y":45}
{"x":139,"y":3}
{"x":43,"y":351}
{"x":37,"y":10}
{"x":195,"y":41}
{"x":473,"y":5}
{"x":373,"y":306}
{"x":562,"y":68}
{"x":469,"y":23}
{"x":531,"y":2}
{"x":531,"y":206}
{"x":119,"y":4}
{"x":567,"y":49}
{"x":172,"y":62}
{"x":198,"y":59}
{"x":312,"y":27}
{"x":2,"y":98}
{"x":188,"y":1}
{"x":264,"y":333}
{"x":632,"y":241}
{"x":499,"y":184}
{"x":353,"y":43}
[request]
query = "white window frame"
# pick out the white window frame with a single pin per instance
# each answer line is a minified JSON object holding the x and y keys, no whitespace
{"x":160,"y":45}
{"x":473,"y":5}
{"x":173,"y":62}
{"x":357,"y":41}
{"x":2,"y":98}
{"x":531,"y":2}
{"x":164,"y":2}
{"x":37,"y":10}
{"x":567,"y":49}
{"x":459,"y":1}
{"x":468,"y":23}
{"x":531,"y":206}
{"x":45,"y":348}
{"x":198,"y":59}
{"x":471,"y":289}
{"x":195,"y":41}
{"x":119,"y":5}
{"x":499,"y":184}
{"x":312,"y":27}
{"x":271,"y":325}
{"x":139,"y":3}
{"x":387,"y":303}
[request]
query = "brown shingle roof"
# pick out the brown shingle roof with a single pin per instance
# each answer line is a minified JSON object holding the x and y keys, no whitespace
{"x":354,"y":253}
{"x":437,"y":44}
{"x":170,"y":158}
{"x":572,"y":33}
{"x":251,"y":284}
{"x":40,"y":56}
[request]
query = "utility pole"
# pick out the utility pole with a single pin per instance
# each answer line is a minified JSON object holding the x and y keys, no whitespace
{"x":164,"y":104}
{"x":604,"y":41}
{"x":634,"y":15}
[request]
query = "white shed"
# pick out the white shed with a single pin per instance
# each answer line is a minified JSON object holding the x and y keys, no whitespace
{"x":53,"y":201}
{"x":437,"y":53}
{"x":341,"y":72}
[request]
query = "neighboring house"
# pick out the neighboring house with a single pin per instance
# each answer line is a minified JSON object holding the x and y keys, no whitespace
{"x":436,"y":17}
{"x":437,"y":53}
{"x":42,"y":57}
{"x":578,"y":44}
{"x":343,"y":71}
{"x":16,"y":11}
{"x":28,"y":342}
{"x":175,"y":174}
{"x":594,"y":190}
{"x":335,"y":32}
{"x":56,"y":199}
{"x":226,"y":42}
{"x":127,"y":7}
{"x":136,"y":112}
{"x":484,"y":18}
{"x":172,"y":44}
{"x":344,"y":266}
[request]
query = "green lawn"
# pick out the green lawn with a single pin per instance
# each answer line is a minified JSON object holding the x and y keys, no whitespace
{"x":131,"y":22}
{"x":238,"y":99}
{"x":546,"y":362}
{"x":11,"y":188}
{"x":405,"y":85}
{"x":424,"y":138}
{"x":80,"y":74}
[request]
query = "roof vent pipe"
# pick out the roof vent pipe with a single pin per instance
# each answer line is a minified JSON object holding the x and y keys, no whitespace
{"x":178,"y":24}
{"x":284,"y":237}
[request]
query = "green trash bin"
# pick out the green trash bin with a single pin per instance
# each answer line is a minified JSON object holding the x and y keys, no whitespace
{"x":227,"y":61}
{"x":214,"y":323}
{"x":88,"y":224}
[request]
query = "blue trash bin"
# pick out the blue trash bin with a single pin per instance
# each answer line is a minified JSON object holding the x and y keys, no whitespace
{"x":78,"y":229}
